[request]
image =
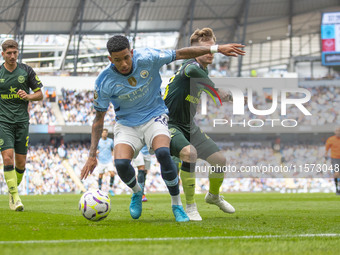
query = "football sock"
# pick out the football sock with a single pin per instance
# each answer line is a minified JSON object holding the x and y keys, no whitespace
{"x":20,"y":174}
{"x":136,"y":188}
{"x":176,"y":200}
{"x":100,"y":181}
{"x":141,"y":178}
{"x":168,"y":170}
{"x":11,"y":180}
{"x":215,"y":180}
{"x":188,"y":182}
{"x":126,"y":172}
{"x":112,"y":180}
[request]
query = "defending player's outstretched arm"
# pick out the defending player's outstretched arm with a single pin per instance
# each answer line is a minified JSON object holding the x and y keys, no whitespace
{"x":232,"y":49}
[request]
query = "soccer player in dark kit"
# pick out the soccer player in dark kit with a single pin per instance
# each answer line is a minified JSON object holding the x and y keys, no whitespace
{"x":188,"y":142}
{"x":16,"y":80}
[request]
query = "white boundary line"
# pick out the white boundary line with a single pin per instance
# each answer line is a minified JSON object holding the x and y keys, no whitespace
{"x":168,"y":239}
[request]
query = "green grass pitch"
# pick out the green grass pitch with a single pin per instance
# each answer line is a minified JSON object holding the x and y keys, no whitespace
{"x":281,"y":220}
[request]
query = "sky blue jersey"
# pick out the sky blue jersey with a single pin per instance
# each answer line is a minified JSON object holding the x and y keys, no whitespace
{"x":136,"y":97}
{"x":105,"y":148}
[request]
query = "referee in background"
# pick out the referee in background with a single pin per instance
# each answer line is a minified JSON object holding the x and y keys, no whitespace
{"x":333,"y":143}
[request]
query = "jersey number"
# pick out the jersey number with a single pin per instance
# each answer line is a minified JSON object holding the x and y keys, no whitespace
{"x":27,"y":139}
{"x":162,"y":120}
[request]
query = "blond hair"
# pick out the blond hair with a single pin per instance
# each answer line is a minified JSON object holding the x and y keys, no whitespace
{"x":202,"y":35}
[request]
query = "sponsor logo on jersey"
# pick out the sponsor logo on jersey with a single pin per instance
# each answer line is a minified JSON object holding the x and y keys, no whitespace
{"x":95,"y":96}
{"x":144,"y":74}
{"x":192,"y":99}
{"x":1,"y":142}
{"x":12,"y":90}
{"x":2,"y":80}
{"x":21,"y":79}
{"x":10,"y":96}
{"x":13,"y":94}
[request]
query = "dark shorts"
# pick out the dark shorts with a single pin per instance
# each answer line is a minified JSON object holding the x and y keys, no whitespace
{"x":14,"y":136}
{"x":335,"y":165}
{"x":177,"y":162}
{"x":180,"y":138}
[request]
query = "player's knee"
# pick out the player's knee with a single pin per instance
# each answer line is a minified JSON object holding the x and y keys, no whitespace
{"x":188,"y":154}
{"x":217,"y":159}
{"x":20,"y":166}
{"x":163,"y":154}
{"x":7,"y":159}
{"x":122,"y":165}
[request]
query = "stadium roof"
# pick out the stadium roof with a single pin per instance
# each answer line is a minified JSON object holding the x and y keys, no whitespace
{"x":259,"y":19}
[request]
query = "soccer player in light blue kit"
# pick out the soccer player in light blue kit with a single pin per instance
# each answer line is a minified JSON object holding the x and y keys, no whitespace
{"x":132,"y":84}
{"x":105,"y":162}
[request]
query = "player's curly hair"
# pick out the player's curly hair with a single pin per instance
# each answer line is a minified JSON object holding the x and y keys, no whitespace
{"x":202,"y":35}
{"x":117,"y":43}
{"x":9,"y":44}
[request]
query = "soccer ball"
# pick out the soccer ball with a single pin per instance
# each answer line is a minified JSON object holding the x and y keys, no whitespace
{"x":95,"y":205}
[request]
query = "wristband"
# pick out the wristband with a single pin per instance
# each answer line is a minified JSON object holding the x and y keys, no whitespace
{"x":214,"y":49}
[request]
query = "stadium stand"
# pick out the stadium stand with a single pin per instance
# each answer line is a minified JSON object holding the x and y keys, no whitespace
{"x":47,"y":173}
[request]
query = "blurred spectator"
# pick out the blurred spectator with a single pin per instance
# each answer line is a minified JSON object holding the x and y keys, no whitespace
{"x":41,"y":113}
{"x":76,"y":108}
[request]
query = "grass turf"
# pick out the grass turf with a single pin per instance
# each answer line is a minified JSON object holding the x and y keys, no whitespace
{"x":56,"y":217}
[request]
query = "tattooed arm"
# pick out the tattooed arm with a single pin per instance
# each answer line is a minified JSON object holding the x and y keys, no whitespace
{"x":97,"y":129}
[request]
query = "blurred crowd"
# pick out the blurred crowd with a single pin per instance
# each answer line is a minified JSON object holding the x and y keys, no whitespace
{"x":77,"y":109}
{"x":48,"y":171}
{"x":40,"y":112}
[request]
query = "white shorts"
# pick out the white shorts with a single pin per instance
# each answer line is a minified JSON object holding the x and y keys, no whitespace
{"x":142,"y":160}
{"x":137,"y":136}
{"x":102,"y":167}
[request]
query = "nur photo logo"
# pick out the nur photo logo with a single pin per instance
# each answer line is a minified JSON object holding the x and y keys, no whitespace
{"x":261,"y":101}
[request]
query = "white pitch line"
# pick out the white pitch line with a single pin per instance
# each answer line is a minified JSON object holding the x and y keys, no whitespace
{"x":167,"y":239}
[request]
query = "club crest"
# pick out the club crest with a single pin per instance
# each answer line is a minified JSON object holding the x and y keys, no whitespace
{"x":132,"y":81}
{"x":144,"y":74}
